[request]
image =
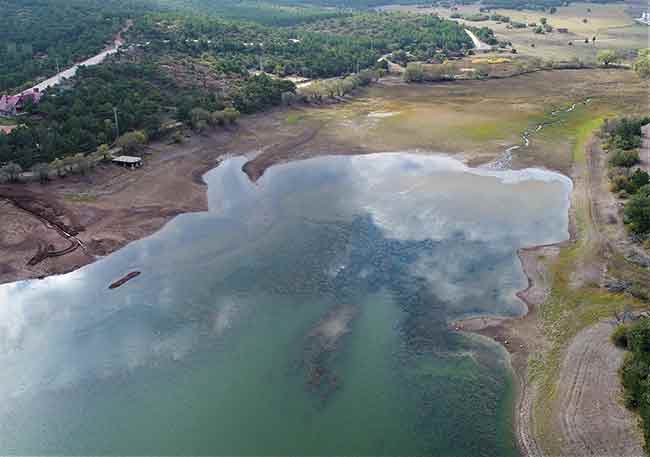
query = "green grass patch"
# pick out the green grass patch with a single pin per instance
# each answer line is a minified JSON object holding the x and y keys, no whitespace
{"x":80,"y":198}
{"x":293,"y":119}
{"x":485,"y":131}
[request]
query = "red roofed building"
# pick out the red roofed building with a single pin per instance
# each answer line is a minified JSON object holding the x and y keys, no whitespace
{"x":10,"y":105}
{"x":6,"y":129}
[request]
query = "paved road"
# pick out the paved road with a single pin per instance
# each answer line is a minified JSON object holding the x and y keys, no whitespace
{"x":70,"y":72}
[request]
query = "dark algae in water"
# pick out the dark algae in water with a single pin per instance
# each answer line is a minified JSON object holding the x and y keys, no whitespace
{"x":304,"y":314}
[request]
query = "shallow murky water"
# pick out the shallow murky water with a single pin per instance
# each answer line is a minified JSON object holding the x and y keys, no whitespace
{"x":305,"y":314}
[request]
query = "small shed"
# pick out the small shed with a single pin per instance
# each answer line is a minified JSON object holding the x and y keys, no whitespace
{"x":128,"y":161}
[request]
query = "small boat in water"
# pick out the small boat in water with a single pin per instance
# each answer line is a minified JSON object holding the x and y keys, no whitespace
{"x":124,"y":280}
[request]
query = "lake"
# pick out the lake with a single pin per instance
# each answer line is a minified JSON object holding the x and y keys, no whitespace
{"x":304,"y":314}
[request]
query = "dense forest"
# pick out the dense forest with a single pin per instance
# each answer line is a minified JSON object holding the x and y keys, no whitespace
{"x":38,"y":35}
{"x":324,"y":48}
{"x":186,"y":59}
{"x":508,"y":4}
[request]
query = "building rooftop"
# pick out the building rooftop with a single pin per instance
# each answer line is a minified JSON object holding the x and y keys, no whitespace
{"x":127,"y":159}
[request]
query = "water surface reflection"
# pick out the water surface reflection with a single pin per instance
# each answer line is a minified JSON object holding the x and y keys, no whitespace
{"x":306,"y":313}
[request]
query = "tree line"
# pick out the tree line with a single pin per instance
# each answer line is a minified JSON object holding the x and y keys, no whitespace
{"x":623,"y":138}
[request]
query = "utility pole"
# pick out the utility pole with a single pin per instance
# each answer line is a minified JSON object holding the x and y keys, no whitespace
{"x":117,"y":124}
{"x":58,"y":69}
{"x":261,"y":66}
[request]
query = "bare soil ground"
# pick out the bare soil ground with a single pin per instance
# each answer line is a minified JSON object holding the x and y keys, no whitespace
{"x":105,"y":210}
{"x":594,"y":420}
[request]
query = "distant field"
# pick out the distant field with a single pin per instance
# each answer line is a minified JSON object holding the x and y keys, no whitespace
{"x":612,"y":25}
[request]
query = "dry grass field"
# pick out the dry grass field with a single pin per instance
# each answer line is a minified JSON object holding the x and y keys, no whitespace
{"x":611,"y":24}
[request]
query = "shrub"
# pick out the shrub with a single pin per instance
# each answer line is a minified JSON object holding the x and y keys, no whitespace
{"x":638,"y":179}
{"x":619,"y":337}
{"x":637,"y":211}
{"x":625,"y":159}
{"x":619,"y":183}
{"x":642,"y":64}
{"x":132,"y":141}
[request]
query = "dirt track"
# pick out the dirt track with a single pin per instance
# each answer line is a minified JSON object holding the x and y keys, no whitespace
{"x":594,"y":422}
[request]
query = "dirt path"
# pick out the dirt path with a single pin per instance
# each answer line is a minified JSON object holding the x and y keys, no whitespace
{"x":480,"y":46}
{"x":594,"y":422}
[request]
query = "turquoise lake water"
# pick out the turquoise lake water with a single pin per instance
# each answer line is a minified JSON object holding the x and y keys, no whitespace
{"x":305,"y":314}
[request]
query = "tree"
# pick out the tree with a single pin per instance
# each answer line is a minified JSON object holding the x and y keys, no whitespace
{"x":642,"y":64}
{"x":637,"y":211}
{"x":553,"y":10}
{"x":543,"y":21}
{"x":104,"y":152}
{"x":607,"y":56}
{"x":132,"y":141}
{"x":12,"y":170}
{"x":42,"y":171}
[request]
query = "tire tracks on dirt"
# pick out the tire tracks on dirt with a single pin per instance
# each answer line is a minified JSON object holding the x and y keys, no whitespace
{"x":594,"y":422}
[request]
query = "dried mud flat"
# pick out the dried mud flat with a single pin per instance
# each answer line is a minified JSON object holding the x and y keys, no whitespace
{"x":594,"y":420}
{"x":104,"y":210}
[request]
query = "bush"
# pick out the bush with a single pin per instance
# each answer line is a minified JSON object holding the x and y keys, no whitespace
{"x":637,"y":211}
{"x":619,"y":337}
{"x":642,"y":64}
{"x":619,"y":183}
{"x":626,"y":133}
{"x":638,"y":179}
{"x":132,"y":141}
{"x":625,"y":159}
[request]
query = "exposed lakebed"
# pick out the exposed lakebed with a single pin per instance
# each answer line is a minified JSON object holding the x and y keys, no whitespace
{"x":306,"y":313}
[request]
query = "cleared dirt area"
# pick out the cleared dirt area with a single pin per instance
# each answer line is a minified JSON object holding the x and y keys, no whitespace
{"x":104,"y":210}
{"x":594,"y":420}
